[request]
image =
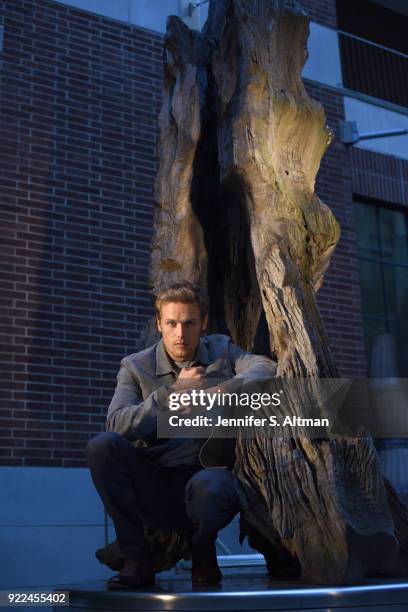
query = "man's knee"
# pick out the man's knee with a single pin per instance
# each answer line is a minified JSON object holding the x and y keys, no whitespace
{"x":209,"y":482}
{"x":211,"y":499}
{"x":101,"y":446}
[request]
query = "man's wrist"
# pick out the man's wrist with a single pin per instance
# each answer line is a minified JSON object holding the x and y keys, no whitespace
{"x":161,"y":395}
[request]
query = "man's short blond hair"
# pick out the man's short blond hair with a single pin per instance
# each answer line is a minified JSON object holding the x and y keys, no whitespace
{"x":184,"y":293}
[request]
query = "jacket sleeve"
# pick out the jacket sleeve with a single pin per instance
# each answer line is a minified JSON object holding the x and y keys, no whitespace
{"x":250,"y":367}
{"x":131,"y":415}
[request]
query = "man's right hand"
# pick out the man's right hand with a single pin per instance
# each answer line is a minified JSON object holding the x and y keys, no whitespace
{"x":189,"y":378}
{"x":196,"y":372}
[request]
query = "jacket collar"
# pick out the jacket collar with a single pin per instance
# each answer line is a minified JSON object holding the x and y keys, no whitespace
{"x":164,"y":364}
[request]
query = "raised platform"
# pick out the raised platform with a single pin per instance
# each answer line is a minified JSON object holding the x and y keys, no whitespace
{"x":242,"y":589}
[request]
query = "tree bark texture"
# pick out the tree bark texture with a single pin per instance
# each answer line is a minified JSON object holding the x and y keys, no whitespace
{"x":240,"y":144}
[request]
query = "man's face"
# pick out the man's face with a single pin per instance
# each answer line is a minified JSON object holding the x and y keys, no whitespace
{"x":181,"y":326}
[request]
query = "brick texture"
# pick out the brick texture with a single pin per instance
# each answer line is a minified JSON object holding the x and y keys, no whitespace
{"x":380,"y":177}
{"x":79,"y":101}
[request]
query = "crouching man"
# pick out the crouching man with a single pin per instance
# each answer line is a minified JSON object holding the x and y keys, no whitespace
{"x":166,"y":484}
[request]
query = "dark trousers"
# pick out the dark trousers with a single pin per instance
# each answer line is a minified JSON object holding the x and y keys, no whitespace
{"x":137,"y":492}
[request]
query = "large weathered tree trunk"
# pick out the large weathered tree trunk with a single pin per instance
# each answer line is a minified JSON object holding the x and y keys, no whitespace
{"x":178,"y":249}
{"x":240,"y":146}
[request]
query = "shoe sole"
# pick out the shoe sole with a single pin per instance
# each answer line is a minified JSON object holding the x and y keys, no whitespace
{"x":123,"y":585}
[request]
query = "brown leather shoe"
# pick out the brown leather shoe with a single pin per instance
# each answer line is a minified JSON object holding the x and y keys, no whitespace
{"x":133,"y":575}
{"x":205,"y":570}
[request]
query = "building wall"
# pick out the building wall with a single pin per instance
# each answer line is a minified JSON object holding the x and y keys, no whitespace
{"x":51,"y":523}
{"x":80,"y":96}
{"x":321,"y":11}
{"x":380,"y":177}
{"x":372,"y":118}
{"x":150,"y":14}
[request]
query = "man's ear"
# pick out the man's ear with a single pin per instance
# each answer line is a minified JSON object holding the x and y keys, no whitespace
{"x":159,"y":329}
{"x":204,"y":323}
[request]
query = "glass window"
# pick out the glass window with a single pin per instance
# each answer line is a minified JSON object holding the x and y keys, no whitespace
{"x":367,"y":231}
{"x":371,"y":288}
{"x":382,"y":240}
{"x":395,"y":288}
{"x":394,"y":239}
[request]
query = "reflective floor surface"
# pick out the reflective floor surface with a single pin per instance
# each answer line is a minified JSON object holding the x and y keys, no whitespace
{"x":243,"y":589}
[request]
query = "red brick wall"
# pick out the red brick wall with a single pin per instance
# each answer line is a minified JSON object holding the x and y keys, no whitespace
{"x":379,"y":177}
{"x":79,"y":100}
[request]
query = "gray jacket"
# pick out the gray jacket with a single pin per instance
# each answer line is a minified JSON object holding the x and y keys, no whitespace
{"x":143,"y":387}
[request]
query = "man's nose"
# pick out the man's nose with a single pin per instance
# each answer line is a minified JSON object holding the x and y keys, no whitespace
{"x":180,"y":330}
